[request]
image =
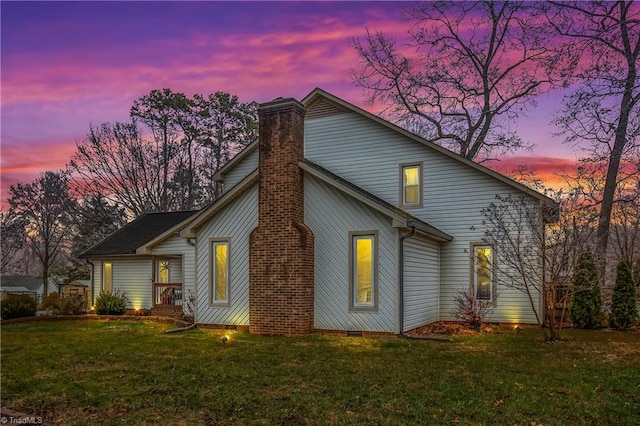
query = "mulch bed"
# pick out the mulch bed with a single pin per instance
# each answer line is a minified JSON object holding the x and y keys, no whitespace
{"x":450,"y":328}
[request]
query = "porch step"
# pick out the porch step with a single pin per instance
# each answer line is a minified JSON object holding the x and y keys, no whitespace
{"x":167,"y":311}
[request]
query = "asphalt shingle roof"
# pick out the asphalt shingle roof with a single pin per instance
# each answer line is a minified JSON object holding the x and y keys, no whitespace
{"x":26,"y":281}
{"x":134,"y":234}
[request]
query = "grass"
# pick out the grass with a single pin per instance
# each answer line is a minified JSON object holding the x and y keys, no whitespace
{"x":113,"y":373}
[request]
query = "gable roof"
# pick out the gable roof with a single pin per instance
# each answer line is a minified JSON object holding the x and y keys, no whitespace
{"x":190,"y":230}
{"x":219,"y":175}
{"x":145,"y":228}
{"x":318,"y":94}
{"x":400,"y":217}
{"x":13,"y":283}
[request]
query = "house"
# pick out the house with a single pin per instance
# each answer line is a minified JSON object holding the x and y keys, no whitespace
{"x":77,"y":288}
{"x":26,"y":284}
{"x":150,"y":278}
{"x":334,"y":220}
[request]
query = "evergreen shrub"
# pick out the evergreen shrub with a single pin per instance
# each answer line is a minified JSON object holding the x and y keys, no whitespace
{"x":18,"y":306}
{"x":108,"y":303}
{"x":586,"y":302}
{"x":624,"y":310}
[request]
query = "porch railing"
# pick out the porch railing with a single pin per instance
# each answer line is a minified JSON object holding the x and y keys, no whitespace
{"x":167,"y":294}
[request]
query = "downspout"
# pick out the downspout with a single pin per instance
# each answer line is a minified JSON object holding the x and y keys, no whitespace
{"x":401,"y":274}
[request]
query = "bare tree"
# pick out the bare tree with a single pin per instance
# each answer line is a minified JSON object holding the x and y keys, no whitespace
{"x":13,"y":240}
{"x":536,"y":258}
{"x":471,"y":69}
{"x":165,"y":159}
{"x":115,"y":162}
{"x":601,"y":115}
{"x":586,"y":185}
{"x":625,"y":226}
{"x":45,"y":206}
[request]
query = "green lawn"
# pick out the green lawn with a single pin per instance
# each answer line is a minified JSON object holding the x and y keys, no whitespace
{"x":84,"y":372}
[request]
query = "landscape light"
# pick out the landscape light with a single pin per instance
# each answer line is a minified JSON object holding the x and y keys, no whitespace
{"x":518,"y":329}
{"x":224,"y":340}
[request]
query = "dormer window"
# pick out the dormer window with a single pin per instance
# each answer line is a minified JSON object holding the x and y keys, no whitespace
{"x":411,"y":185}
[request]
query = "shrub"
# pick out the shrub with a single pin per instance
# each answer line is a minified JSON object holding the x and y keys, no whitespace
{"x":471,"y":310}
{"x":623,"y":304}
{"x":586,"y":302}
{"x":50,"y":301}
{"x":108,"y":303}
{"x":18,"y":306}
{"x":73,"y":304}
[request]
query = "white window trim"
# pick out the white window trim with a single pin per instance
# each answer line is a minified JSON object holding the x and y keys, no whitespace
{"x":353,"y":305}
{"x":213,"y":242}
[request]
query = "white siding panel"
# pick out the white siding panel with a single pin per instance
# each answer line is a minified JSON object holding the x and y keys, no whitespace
{"x":97,"y":278}
{"x":323,"y":108}
{"x":241,"y":170}
{"x":369,"y":154}
{"x":421,"y":282}
{"x":331,"y":215}
{"x":186,"y":274}
{"x":133,"y":276}
{"x":235,"y":223}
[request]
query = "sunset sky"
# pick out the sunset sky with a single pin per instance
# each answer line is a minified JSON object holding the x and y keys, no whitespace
{"x":68,"y":64}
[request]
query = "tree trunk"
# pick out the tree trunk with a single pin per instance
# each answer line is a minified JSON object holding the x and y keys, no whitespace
{"x":613,"y":168}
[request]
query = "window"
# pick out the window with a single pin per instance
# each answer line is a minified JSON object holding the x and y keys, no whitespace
{"x":482,"y":271}
{"x":411,"y":185}
{"x":164,"y":269}
{"x":107,"y":274}
{"x":363,"y":261}
{"x":219,"y":272}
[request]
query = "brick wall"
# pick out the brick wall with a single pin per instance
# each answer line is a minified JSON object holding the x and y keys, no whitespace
{"x":281,"y":253}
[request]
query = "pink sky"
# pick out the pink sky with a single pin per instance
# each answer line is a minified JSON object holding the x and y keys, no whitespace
{"x":68,"y":64}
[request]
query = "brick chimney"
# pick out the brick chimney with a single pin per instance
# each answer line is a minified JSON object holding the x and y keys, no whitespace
{"x":281,"y":253}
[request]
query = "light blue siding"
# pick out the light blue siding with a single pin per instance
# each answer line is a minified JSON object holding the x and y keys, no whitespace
{"x":186,"y":273}
{"x":331,"y":215}
{"x":421,"y":282}
{"x":241,"y":170}
{"x":235,"y":223}
{"x":368,"y":154}
{"x":133,"y":276}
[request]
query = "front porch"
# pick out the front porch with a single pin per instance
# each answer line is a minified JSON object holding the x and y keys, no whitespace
{"x":167,"y":299}
{"x":167,"y":295}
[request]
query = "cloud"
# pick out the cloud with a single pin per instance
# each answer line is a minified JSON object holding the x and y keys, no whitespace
{"x":546,"y":168}
{"x":23,"y":164}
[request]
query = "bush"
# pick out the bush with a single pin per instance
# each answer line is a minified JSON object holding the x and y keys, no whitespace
{"x":73,"y":304}
{"x":50,"y":302}
{"x":623,"y":305}
{"x":18,"y":306}
{"x":108,"y":303}
{"x":471,"y":310}
{"x":586,"y":302}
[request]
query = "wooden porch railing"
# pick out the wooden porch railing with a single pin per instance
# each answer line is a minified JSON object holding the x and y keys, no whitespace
{"x":167,"y":294}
